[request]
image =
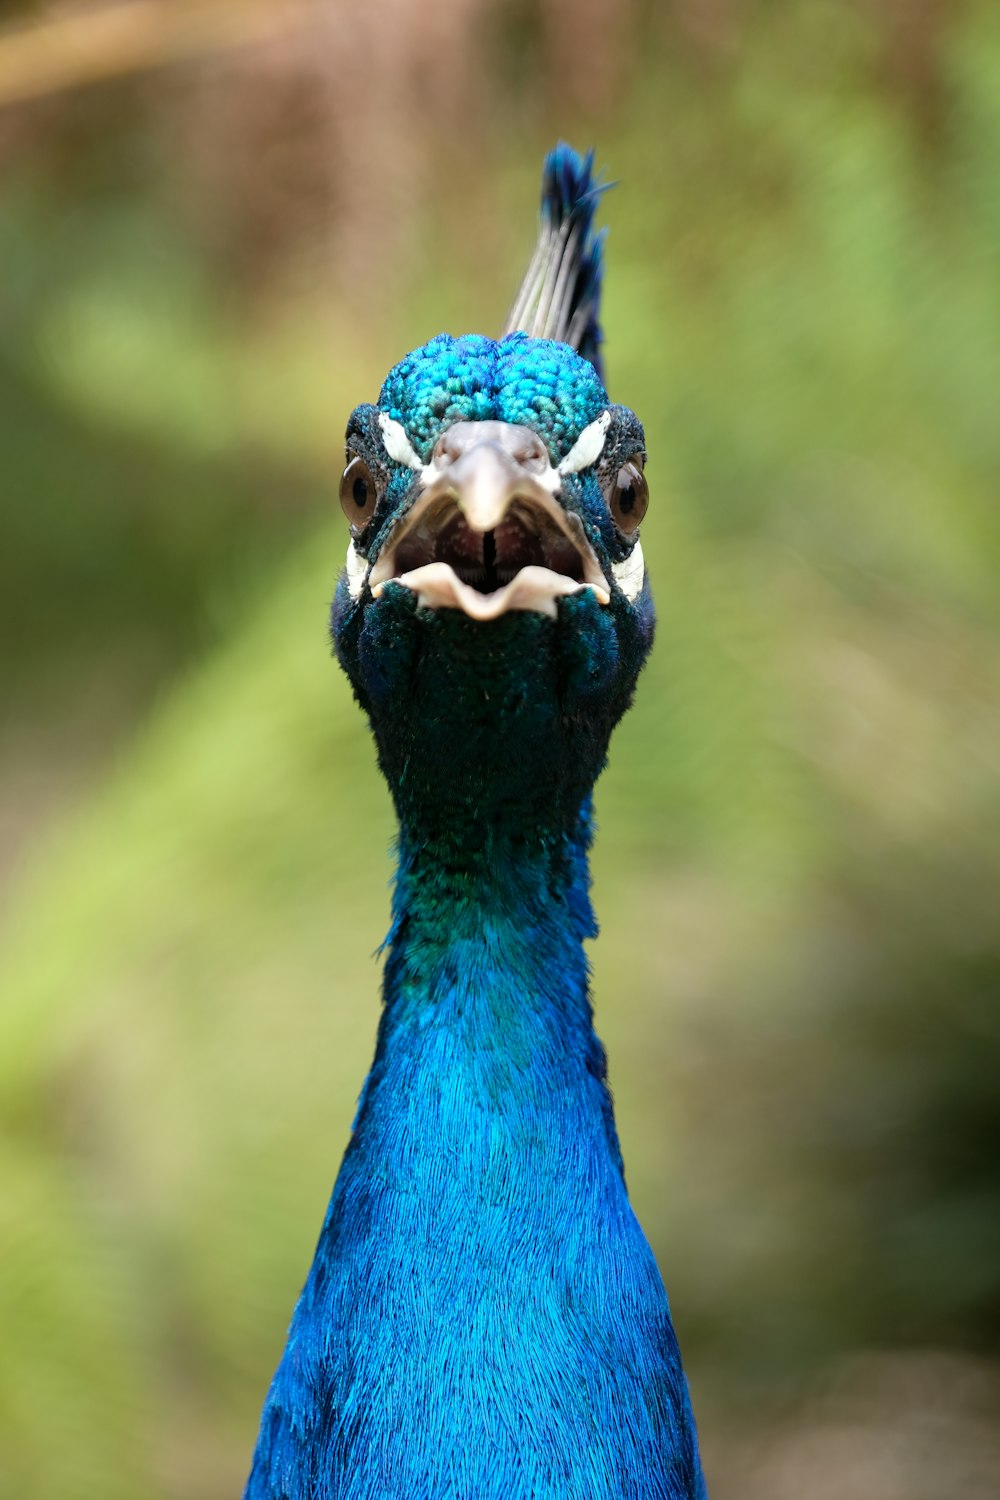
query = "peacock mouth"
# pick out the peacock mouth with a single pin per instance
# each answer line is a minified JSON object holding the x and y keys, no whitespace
{"x":525,"y":562}
{"x":485,"y":534}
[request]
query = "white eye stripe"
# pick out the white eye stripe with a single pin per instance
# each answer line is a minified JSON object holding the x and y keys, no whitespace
{"x":630,"y":574}
{"x":588,"y":446}
{"x":397,"y":444}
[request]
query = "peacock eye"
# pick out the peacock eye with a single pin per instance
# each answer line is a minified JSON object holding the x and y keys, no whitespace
{"x":357,"y":493}
{"x":629,"y":498}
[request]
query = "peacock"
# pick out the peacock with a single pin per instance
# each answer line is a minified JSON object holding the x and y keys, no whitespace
{"x":484,"y":1318}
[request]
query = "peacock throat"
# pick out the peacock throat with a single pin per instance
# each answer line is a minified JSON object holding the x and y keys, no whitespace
{"x":484,"y":1319}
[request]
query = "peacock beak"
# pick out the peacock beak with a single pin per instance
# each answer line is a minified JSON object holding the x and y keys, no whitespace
{"x":486,"y":533}
{"x":485,"y":465}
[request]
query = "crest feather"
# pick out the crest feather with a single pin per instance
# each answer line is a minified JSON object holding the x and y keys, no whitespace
{"x":560,"y":295}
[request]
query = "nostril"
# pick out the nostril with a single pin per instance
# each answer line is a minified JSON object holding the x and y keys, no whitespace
{"x":515,"y":443}
{"x":454,"y":441}
{"x":532,"y":453}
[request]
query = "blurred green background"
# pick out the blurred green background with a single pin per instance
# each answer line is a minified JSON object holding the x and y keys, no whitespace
{"x":220,"y":224}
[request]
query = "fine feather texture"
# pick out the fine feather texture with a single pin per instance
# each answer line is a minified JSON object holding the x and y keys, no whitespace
{"x":560,"y":295}
{"x":484,"y":1319}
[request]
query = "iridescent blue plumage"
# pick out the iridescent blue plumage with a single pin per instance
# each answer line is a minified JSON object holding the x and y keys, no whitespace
{"x":484,"y":1319}
{"x":538,"y":382}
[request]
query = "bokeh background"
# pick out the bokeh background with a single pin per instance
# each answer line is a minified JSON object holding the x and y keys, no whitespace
{"x":220,"y":224}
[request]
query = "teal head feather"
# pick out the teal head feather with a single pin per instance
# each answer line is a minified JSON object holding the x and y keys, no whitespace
{"x":518,"y":708}
{"x":484,"y":1319}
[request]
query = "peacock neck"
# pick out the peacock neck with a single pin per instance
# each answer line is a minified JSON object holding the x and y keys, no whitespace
{"x":511,"y":901}
{"x":487,"y":1013}
{"x":484,"y":1315}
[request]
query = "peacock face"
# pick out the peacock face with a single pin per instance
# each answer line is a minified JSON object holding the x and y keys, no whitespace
{"x":494,"y":495}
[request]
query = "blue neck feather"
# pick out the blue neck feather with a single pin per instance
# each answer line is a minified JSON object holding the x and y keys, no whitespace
{"x":487,"y":979}
{"x":484,"y":1319}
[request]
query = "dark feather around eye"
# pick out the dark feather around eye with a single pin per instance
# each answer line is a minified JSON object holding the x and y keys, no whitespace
{"x":628,"y":499}
{"x":358,"y":495}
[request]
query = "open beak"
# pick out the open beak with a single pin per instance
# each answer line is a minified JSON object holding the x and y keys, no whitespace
{"x":485,"y":533}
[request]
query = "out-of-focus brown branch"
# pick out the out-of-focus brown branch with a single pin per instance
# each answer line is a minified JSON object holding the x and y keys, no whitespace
{"x":71,"y":50}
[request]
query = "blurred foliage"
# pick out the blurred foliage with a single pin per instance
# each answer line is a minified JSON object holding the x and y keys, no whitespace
{"x":798,"y":864}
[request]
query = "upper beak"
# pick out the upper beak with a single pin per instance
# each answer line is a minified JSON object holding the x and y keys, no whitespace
{"x":483,"y":479}
{"x":483,"y":466}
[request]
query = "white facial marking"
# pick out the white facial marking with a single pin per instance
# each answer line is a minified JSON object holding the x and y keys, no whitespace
{"x":630,"y":574}
{"x":357,"y":567}
{"x":397,"y":444}
{"x":587,"y":448}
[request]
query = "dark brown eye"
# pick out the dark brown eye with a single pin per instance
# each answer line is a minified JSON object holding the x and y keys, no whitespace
{"x":629,"y":498}
{"x":357,"y":493}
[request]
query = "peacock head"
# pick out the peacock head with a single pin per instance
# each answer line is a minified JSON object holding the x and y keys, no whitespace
{"x":494,"y":613}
